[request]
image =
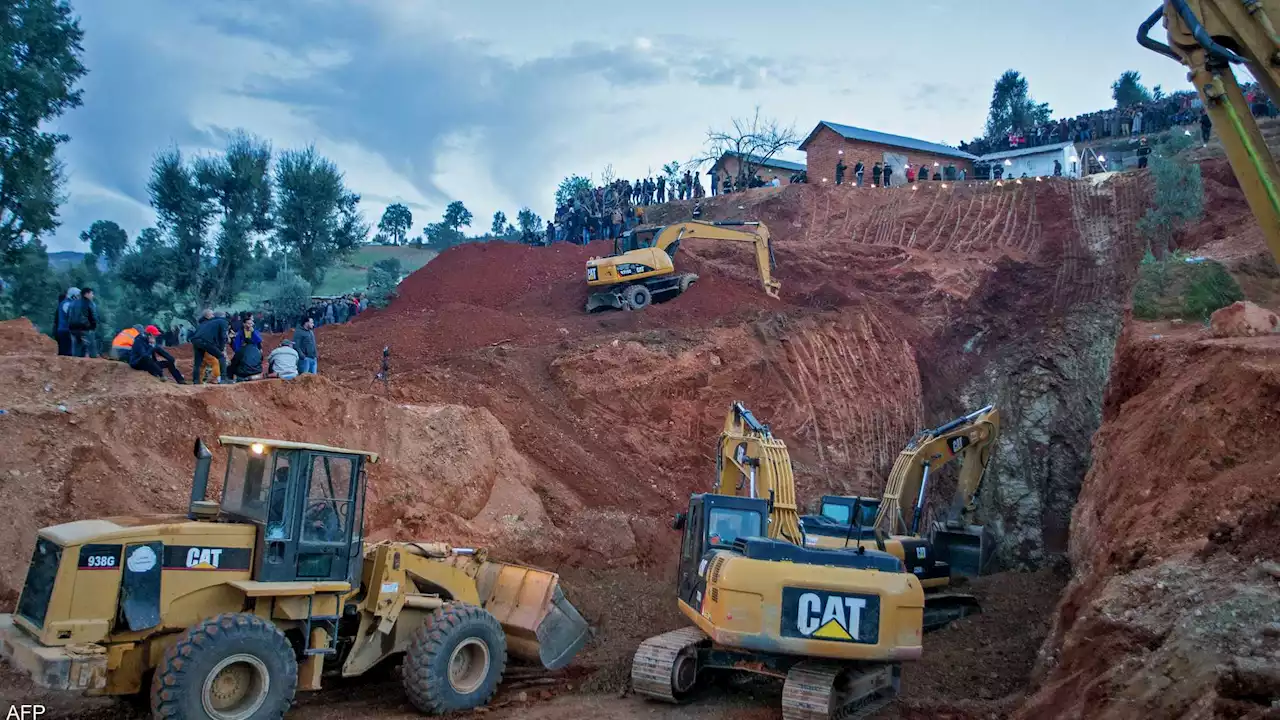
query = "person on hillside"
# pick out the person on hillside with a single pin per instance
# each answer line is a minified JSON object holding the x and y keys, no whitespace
{"x":1206,"y":127}
{"x":876,"y":171}
{"x":246,"y":358}
{"x":210,"y":340}
{"x":662,"y":189}
{"x":122,"y":343}
{"x":82,"y":320}
{"x":1057,"y":168}
{"x":858,"y":170}
{"x":697,"y":211}
{"x":715,"y":188}
{"x":550,"y":237}
{"x":911,"y":175}
{"x":1144,"y":151}
{"x":143,"y":355}
{"x":328,"y":314}
{"x":888,"y":175}
{"x":615,"y":224}
{"x":62,"y":324}
{"x":283,"y":361}
{"x":304,"y":341}
{"x":840,"y":170}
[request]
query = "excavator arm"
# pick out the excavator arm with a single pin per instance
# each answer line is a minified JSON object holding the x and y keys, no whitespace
{"x":756,"y":233}
{"x":751,"y":462}
{"x":970,"y":439}
{"x":1209,"y":36}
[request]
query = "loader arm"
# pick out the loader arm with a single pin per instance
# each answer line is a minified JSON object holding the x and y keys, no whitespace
{"x":755,"y":233}
{"x":969,"y":438}
{"x":1208,"y":36}
{"x":751,"y":462}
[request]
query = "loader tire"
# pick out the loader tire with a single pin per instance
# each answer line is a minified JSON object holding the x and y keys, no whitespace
{"x":636,"y":297}
{"x":455,"y":661}
{"x":234,"y":666}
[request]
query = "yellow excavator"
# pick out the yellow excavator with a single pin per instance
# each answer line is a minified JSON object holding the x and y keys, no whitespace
{"x":225,"y":613}
{"x":1209,"y":36}
{"x":894,"y":522}
{"x":642,"y":269}
{"x":834,"y":625}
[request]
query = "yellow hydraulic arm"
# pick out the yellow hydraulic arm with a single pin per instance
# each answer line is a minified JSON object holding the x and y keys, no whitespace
{"x":970,"y":438}
{"x":756,"y":233}
{"x":751,"y":462}
{"x":1208,"y":36}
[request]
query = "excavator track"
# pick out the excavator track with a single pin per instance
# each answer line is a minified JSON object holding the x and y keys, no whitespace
{"x":825,"y":691}
{"x":654,"y":668}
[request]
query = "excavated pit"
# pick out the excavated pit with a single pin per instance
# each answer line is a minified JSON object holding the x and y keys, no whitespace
{"x":514,"y":420}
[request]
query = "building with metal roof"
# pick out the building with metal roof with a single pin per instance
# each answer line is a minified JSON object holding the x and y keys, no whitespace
{"x":731,"y":162}
{"x":830,"y":143}
{"x":1037,"y":161}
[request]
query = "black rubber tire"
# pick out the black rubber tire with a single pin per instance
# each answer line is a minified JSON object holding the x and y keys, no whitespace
{"x":687,"y":282}
{"x":426,"y":664}
{"x":637,"y":297}
{"x":179,"y":681}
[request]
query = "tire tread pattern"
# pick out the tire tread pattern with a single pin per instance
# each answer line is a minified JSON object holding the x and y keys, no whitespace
{"x":427,"y":687}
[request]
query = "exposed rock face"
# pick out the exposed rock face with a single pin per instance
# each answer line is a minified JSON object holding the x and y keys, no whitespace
{"x":1243,"y":319}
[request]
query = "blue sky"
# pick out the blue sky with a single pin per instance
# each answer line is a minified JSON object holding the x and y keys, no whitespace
{"x":492,"y":102}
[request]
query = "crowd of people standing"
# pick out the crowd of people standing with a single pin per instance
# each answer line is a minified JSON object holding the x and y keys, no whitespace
{"x":607,"y":211}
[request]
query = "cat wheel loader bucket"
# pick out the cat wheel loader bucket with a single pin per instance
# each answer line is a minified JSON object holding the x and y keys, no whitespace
{"x":969,"y":549}
{"x":542,"y":626}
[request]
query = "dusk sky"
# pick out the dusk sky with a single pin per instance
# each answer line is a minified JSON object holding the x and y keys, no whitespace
{"x":492,"y":102}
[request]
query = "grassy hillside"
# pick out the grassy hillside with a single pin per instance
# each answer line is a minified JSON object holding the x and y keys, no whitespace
{"x":349,"y":275}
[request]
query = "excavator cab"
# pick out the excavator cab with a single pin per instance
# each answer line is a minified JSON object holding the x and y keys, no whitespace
{"x":714,"y":522}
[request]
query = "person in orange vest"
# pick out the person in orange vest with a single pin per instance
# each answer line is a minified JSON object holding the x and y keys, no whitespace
{"x":122,"y":343}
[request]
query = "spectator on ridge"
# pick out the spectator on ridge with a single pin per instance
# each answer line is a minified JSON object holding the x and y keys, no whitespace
{"x":840,"y":168}
{"x":1144,"y":150}
{"x":888,"y":174}
{"x":142,"y":356}
{"x":304,"y":341}
{"x":876,"y":172}
{"x":1206,"y":127}
{"x":210,"y":339}
{"x":246,"y":348}
{"x":283,"y":361}
{"x":62,"y":323}
{"x":82,"y":319}
{"x":858,"y":170}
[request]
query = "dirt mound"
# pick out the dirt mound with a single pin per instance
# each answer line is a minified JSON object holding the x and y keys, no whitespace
{"x":1166,"y":606}
{"x":1243,"y":319}
{"x":21,"y":337}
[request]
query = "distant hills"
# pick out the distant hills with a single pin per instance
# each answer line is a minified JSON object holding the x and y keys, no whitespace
{"x":65,"y":259}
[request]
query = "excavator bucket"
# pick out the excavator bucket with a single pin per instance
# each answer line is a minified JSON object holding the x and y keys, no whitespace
{"x":601,"y":300}
{"x":542,"y":626}
{"x":968,"y":548}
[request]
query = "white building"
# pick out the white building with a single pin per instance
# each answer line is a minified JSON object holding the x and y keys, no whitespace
{"x":1037,"y":161}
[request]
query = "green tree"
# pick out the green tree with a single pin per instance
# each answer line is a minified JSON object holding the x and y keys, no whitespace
{"x":499,"y":226}
{"x":42,"y":63}
{"x":106,"y":240}
{"x":382,"y":280}
{"x":185,"y":211}
{"x":30,"y":288}
{"x":290,"y":296}
{"x":1128,"y":90}
{"x":570,"y":188}
{"x":317,"y":218}
{"x":672,"y":171}
{"x":1177,"y":202}
{"x":1157,"y":93}
{"x":238,"y":182}
{"x":396,"y":222}
{"x":457,"y":216}
{"x":1012,"y":107}
{"x":148,"y":240}
{"x":531,"y":227}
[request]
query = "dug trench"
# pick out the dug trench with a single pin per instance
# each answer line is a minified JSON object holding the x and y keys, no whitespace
{"x":1133,"y":489}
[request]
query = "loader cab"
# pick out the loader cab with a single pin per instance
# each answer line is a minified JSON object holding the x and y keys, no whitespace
{"x":307,"y":502}
{"x":840,"y":509}
{"x":715,"y":522}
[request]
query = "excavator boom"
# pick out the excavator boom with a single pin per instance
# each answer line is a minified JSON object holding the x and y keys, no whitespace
{"x":752,"y":463}
{"x":1209,"y":36}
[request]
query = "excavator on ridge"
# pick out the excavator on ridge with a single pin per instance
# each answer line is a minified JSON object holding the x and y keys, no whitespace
{"x":642,"y":269}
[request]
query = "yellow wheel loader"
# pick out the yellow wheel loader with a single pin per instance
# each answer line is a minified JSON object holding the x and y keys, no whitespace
{"x":642,"y":269}
{"x":226,"y":612}
{"x":834,"y":625}
{"x":894,"y":522}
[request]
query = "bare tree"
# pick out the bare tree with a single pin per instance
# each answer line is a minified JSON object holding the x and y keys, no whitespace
{"x":753,"y":141}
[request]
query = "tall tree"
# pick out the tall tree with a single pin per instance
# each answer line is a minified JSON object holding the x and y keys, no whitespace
{"x":317,"y":217}
{"x":185,"y":211}
{"x":396,"y":222}
{"x":1128,"y":90}
{"x":753,"y":141}
{"x":499,"y":226}
{"x":1012,"y":107}
{"x":457,"y":216}
{"x":106,"y":240}
{"x":40,"y":44}
{"x":570,"y":188}
{"x":530,"y":225}
{"x":239,"y":184}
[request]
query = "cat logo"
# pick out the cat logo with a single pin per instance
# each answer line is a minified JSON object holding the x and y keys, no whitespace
{"x":822,"y":615}
{"x":958,"y":443}
{"x":204,"y":558}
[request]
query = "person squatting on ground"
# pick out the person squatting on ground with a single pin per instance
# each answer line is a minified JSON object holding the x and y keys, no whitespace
{"x":283,"y":361}
{"x":146,"y":356}
{"x":246,"y":358}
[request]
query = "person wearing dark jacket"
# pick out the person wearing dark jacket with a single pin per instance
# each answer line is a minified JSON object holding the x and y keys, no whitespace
{"x":246,"y":346}
{"x":876,"y":171}
{"x":143,"y":355}
{"x":304,"y":341}
{"x":210,"y":338}
{"x":858,"y":170}
{"x":840,"y":168}
{"x":61,"y":329}
{"x":888,"y":175}
{"x":82,"y":319}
